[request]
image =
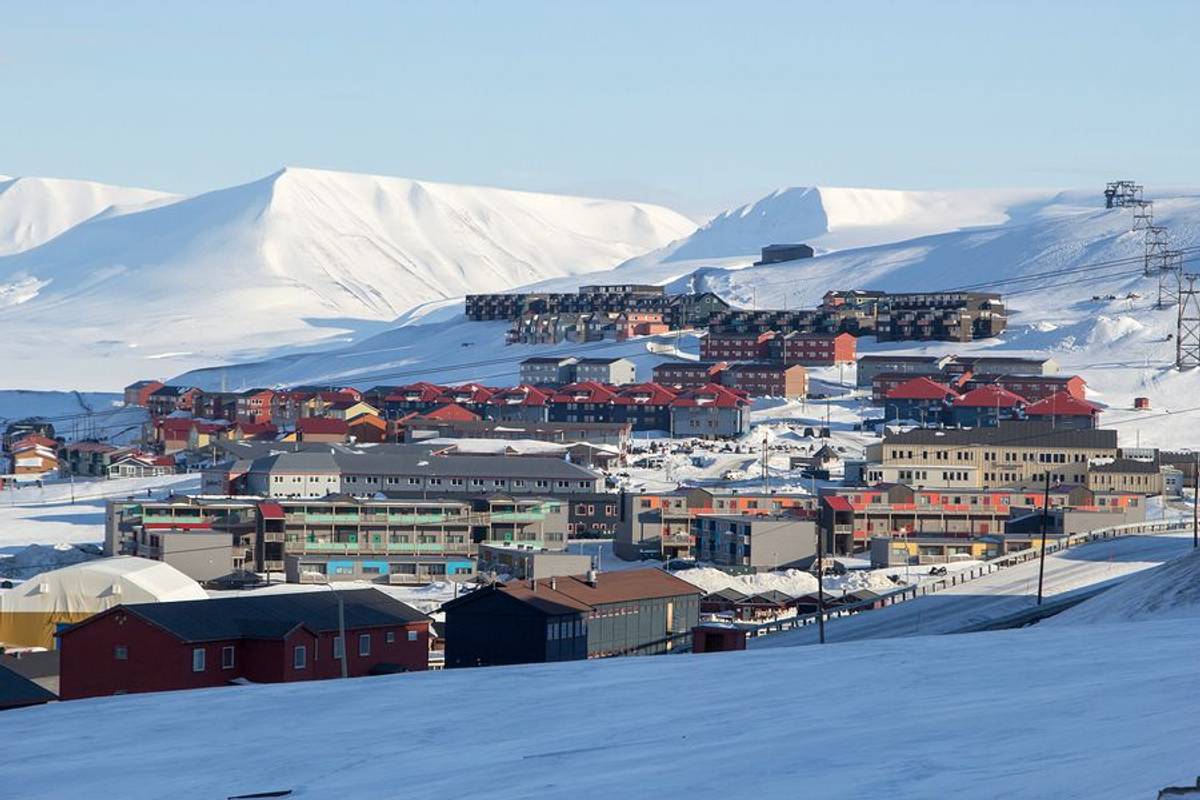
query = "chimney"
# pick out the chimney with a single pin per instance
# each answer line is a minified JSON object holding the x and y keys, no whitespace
{"x":592,"y":578}
{"x":533,"y":584}
{"x":553,"y":582}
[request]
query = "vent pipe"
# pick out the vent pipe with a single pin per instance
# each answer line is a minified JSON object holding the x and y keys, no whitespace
{"x":592,"y":577}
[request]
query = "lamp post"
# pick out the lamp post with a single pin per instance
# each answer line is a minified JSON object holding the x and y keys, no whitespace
{"x":341,"y":626}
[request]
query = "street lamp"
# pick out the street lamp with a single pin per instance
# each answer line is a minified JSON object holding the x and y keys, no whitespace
{"x":341,"y":625}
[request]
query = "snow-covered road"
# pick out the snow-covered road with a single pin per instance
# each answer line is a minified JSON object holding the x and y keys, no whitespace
{"x":998,"y":595}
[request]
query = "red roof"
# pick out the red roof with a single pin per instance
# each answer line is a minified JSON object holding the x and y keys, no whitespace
{"x":467,"y":393}
{"x":837,"y":502}
{"x":921,"y":389}
{"x":270,"y":510}
{"x":584,"y":392}
{"x":990,"y":396}
{"x":421,"y":391}
{"x":34,"y":440}
{"x":322,"y":425}
{"x":712,"y":395}
{"x":451,"y":412}
{"x":644,"y":394}
{"x":1062,"y":404}
{"x":523,"y":395}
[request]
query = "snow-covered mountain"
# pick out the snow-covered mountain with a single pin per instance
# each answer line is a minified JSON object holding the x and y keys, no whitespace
{"x":35,"y":210}
{"x":295,"y":258}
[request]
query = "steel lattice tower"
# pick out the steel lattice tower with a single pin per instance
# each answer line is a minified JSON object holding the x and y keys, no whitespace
{"x":1187,"y":331}
{"x":1155,"y":243}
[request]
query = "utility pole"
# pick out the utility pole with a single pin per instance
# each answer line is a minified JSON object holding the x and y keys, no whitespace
{"x":820,"y":587}
{"x":341,"y":626}
{"x":1045,"y":519}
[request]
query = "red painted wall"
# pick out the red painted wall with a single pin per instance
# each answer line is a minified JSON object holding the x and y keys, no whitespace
{"x":158,"y":662}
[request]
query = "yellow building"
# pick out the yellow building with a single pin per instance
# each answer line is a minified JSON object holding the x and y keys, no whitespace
{"x":1014,"y":455}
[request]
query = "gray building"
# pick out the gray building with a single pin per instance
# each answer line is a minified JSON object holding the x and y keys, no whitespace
{"x":617,"y":371}
{"x":318,"y":470}
{"x":548,"y":370}
{"x":200,"y":554}
{"x":758,"y":541}
{"x":870,"y":366}
{"x":530,"y":563}
{"x":633,"y":612}
{"x":778,"y":253}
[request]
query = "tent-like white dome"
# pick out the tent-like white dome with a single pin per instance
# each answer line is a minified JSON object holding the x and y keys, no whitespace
{"x":32,"y":611}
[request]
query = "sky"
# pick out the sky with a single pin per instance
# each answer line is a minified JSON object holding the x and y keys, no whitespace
{"x":698,"y":105}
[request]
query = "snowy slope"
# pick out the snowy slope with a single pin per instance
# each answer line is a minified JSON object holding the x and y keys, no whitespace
{"x":294,"y":258}
{"x":967,"y":717}
{"x":35,"y":210}
{"x":1171,"y":591}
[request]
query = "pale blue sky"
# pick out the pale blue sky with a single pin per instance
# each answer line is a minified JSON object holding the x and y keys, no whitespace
{"x":699,"y":105}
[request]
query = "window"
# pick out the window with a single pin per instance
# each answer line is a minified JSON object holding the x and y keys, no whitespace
{"x":299,"y":656}
{"x":121,"y":652}
{"x":227,"y":657}
{"x":390,"y":637}
{"x":337,"y":647}
{"x":364,"y":644}
{"x":412,"y":636}
{"x":198,"y":660}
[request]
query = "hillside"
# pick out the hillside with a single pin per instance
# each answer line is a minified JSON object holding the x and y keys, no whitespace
{"x":35,"y":210}
{"x":926,"y":717}
{"x":299,"y":257}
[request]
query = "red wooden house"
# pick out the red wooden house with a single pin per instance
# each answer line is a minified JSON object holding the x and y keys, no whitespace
{"x":191,"y":644}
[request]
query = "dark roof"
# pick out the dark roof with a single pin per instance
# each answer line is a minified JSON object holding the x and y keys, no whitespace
{"x":555,"y":360}
{"x":401,"y":459}
{"x":901,"y":359}
{"x":40,"y":664}
{"x":17,"y":690}
{"x":728,"y":593}
{"x":1126,"y":465}
{"x":273,"y":616}
{"x":574,"y":593}
{"x":771,"y":596}
{"x":1020,"y":434}
{"x":599,"y":361}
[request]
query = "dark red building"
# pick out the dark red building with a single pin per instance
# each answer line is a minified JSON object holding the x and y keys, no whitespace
{"x":191,"y":644}
{"x":817,"y":349}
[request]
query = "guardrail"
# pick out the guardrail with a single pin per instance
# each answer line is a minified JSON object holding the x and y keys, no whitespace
{"x":964,"y":576}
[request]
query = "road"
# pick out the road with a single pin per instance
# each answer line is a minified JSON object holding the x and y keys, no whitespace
{"x":998,"y":595}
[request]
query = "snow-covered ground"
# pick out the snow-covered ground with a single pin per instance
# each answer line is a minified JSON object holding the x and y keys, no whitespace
{"x":970,"y":717}
{"x":1171,"y":591}
{"x":76,"y":415}
{"x":47,"y":515}
{"x":1000,"y":594}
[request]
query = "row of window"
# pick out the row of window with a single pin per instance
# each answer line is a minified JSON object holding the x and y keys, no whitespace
{"x":299,"y":652}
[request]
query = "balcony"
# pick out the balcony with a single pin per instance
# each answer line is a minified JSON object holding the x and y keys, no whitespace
{"x":367,"y":548}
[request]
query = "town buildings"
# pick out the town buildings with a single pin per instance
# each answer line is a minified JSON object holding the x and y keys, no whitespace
{"x":815,"y":349}
{"x":1016,"y":454}
{"x":760,"y":541}
{"x":307,"y":470}
{"x":597,"y":615}
{"x":767,"y":379}
{"x":710,"y":412}
{"x":851,"y":516}
{"x":688,"y":373}
{"x":154,"y":647}
{"x":779,"y":253}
